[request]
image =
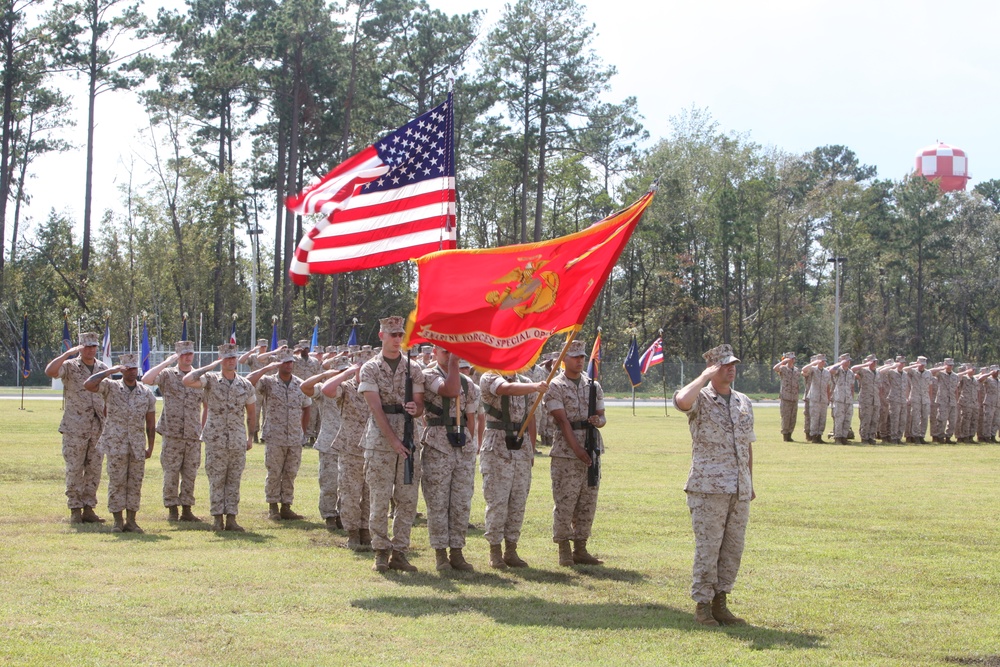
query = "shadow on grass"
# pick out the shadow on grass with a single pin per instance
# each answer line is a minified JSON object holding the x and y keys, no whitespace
{"x":142,"y":537}
{"x":534,"y":611}
{"x":248,"y":536}
{"x":447,"y":580}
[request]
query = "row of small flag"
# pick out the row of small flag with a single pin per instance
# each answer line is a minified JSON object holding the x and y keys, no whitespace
{"x":635,"y":365}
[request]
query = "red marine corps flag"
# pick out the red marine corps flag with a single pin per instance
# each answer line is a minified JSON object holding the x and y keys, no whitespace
{"x":391,"y":202}
{"x":497,"y":307}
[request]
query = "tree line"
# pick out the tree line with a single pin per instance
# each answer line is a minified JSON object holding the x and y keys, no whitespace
{"x":250,"y":100}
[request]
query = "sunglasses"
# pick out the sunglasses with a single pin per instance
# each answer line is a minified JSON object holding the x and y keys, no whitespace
{"x":396,"y":334}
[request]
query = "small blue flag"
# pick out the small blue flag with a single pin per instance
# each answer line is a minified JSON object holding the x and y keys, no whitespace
{"x":315,"y":339}
{"x":274,"y":336}
{"x":631,"y":364}
{"x":353,"y":338}
{"x":184,"y":329}
{"x":145,"y":347}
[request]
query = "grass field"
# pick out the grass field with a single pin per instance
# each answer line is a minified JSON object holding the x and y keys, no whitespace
{"x":855,"y":556}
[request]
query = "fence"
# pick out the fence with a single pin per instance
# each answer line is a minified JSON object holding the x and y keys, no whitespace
{"x":750,"y":378}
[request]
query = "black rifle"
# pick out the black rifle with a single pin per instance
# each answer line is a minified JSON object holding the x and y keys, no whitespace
{"x":455,"y":438}
{"x":594,"y":471}
{"x":408,"y":426}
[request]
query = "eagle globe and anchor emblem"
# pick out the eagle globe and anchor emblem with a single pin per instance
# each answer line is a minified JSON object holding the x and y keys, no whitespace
{"x":533,"y":291}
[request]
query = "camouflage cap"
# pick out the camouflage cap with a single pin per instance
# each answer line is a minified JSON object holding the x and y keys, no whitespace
{"x":870,"y":358}
{"x":844,"y":357}
{"x":900,"y":359}
{"x":577,"y":349}
{"x":184,"y":347}
{"x":88,"y":339}
{"x":286,"y":357}
{"x":788,"y":355}
{"x":129,"y":360}
{"x":922,"y":360}
{"x":392,"y":324}
{"x":353,"y":348}
{"x":820,"y":357}
{"x":302,"y":345}
{"x":365,"y":353}
{"x":262,"y":342}
{"x":462,"y":363}
{"x":426,"y":349}
{"x":948,"y":362}
{"x":227,"y":351}
{"x":341,"y":363}
{"x":281,"y":343}
{"x":721,"y":355}
{"x":331,"y":349}
{"x":318,"y":349}
{"x":994,"y":368}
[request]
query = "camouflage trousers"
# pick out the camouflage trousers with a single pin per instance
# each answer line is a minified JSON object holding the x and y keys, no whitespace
{"x":817,"y":418}
{"x":947,"y":419}
{"x":987,"y":413}
{"x":328,"y":478}
{"x":968,"y":420}
{"x":384,"y":474}
{"x":920,"y":412}
{"x":83,"y":466}
{"x":125,"y":473}
{"x":352,"y":491}
{"x":447,"y":482}
{"x":224,"y":466}
{"x":312,"y":429}
{"x":897,"y":419}
{"x":543,"y":426}
{"x":575,"y":501}
{"x":789,"y":410}
{"x":506,"y":484}
{"x":258,"y":408}
{"x":180,"y":460}
{"x":282,"y":465}
{"x":806,"y":404}
{"x":720,"y":522}
{"x":843,"y":411}
{"x":932,"y":420}
{"x":883,"y":419}
{"x":868,"y":414}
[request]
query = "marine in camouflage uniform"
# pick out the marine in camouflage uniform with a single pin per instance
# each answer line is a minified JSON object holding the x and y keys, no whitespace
{"x":82,"y":421}
{"x":352,"y":488}
{"x":255,"y":359}
{"x":991,"y":405}
{"x":568,"y":401}
{"x":868,"y":399}
{"x":896,"y":399}
{"x":228,"y":433}
{"x":285,"y":419}
{"x":448,"y":457}
{"x":920,"y":399}
{"x":946,"y":398}
{"x":127,"y":439}
{"x":842,"y":380}
{"x":819,"y":396}
{"x":180,"y":427}
{"x":383,"y":383}
{"x":807,"y":382}
{"x":720,"y":484}
{"x":788,"y":394}
{"x":329,"y":425}
{"x":968,"y":404}
{"x":506,"y":462}
{"x":306,"y":366}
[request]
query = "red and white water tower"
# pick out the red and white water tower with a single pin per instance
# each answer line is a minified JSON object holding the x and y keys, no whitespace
{"x":943,"y":163}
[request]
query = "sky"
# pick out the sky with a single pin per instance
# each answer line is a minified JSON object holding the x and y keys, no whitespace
{"x":883,"y":77}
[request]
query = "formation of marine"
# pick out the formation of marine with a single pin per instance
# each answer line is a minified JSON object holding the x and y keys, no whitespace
{"x":897,"y":401}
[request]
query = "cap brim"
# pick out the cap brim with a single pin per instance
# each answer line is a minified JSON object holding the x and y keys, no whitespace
{"x":728,"y":360}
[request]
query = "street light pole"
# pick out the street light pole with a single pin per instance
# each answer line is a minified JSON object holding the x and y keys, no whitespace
{"x":837,"y":261}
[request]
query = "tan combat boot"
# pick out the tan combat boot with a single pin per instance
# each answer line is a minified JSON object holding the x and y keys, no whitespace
{"x":89,"y":516}
{"x":76,"y":515}
{"x":510,"y":555}
{"x":721,"y":613}
{"x":217,"y":524}
{"x":496,"y":557}
{"x":119,"y":526}
{"x":288,"y":515}
{"x":231,"y":524}
{"x":331,"y":523}
{"x":441,"y":559}
{"x":581,"y":556}
{"x":366,"y":537}
{"x":381,"y":560}
{"x":354,"y":540}
{"x":458,"y":561}
{"x":565,"y":553}
{"x":273,"y":513}
{"x":130,"y":525}
{"x":397,"y":561}
{"x":703,"y":615}
{"x":172,"y":514}
{"x":188,"y":515}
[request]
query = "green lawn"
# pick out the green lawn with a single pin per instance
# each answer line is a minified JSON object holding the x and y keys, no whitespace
{"x":855,"y":556}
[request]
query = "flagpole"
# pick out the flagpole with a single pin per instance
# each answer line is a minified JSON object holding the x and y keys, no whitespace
{"x":666,"y":413}
{"x":200,"y":327}
{"x":552,"y":373}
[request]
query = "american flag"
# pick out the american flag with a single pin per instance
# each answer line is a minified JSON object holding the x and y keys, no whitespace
{"x":652,"y":356}
{"x":391,"y":202}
